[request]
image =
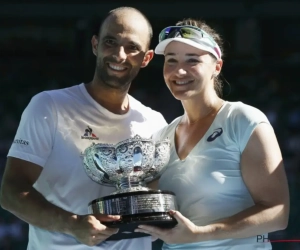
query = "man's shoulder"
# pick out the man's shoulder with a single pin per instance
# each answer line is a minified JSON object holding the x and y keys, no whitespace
{"x":56,"y":95}
{"x":63,"y":91}
{"x":167,"y":131}
{"x":142,"y":108}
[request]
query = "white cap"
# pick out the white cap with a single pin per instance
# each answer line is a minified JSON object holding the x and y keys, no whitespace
{"x":204,"y":44}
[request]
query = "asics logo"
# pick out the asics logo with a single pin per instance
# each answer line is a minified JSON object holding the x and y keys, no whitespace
{"x":215,"y":134}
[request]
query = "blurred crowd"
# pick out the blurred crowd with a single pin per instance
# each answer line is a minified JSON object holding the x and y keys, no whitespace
{"x":264,"y":77}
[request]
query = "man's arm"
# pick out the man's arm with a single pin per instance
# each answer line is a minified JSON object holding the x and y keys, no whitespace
{"x":19,"y":197}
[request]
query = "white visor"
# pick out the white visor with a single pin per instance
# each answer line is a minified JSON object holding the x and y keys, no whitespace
{"x":203,"y":44}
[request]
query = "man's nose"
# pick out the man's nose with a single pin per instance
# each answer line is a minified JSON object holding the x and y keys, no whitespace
{"x":120,"y":54}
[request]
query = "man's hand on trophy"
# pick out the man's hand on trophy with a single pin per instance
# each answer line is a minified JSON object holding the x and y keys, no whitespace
{"x":89,"y":230}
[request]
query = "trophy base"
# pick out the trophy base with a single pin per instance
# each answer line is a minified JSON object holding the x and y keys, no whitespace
{"x":129,"y":223}
{"x":135,"y":208}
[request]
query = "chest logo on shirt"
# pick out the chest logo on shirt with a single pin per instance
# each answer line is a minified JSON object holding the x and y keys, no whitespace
{"x":89,"y":135}
{"x":215,"y":134}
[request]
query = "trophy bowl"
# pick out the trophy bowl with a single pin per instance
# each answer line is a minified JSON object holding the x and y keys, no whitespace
{"x":130,"y":165}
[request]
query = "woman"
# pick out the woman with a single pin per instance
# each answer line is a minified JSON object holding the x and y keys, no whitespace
{"x":225,"y":167}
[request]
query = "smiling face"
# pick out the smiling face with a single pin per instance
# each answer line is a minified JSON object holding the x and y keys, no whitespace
{"x":121,"y":49}
{"x":188,"y":71}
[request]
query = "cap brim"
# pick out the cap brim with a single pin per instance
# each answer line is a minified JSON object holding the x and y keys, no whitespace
{"x":160,"y":48}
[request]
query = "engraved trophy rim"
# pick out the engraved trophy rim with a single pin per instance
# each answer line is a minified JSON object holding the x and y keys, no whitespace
{"x":135,"y":138}
{"x":136,"y":193}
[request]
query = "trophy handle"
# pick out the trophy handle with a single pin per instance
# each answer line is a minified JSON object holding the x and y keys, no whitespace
{"x":162,"y":154}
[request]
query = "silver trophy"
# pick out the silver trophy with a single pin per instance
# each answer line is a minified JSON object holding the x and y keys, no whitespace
{"x":130,"y":165}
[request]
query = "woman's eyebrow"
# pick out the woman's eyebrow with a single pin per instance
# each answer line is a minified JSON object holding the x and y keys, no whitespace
{"x":191,"y":54}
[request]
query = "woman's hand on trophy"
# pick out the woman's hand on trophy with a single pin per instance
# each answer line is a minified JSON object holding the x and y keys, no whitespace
{"x":89,"y":230}
{"x":184,"y":232}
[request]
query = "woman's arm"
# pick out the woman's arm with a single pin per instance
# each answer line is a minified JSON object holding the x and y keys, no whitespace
{"x":264,"y":175}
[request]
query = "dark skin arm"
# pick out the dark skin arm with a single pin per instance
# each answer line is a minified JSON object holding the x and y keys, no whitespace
{"x":20,"y":198}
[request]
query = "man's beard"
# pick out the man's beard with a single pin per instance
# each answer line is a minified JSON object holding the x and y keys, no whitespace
{"x":112,"y":81}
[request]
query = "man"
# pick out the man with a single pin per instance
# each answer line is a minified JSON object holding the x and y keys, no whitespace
{"x":45,"y":183}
